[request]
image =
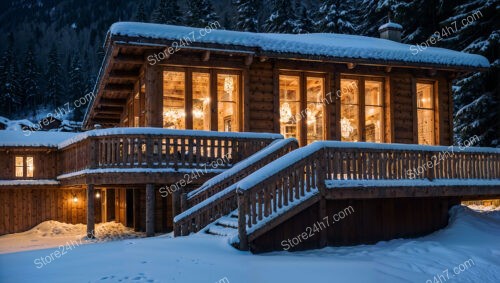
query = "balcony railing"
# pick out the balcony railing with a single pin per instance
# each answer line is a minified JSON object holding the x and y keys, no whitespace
{"x":158,"y":148}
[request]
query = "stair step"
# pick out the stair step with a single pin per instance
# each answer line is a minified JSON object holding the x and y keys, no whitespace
{"x":221,"y":231}
{"x":228,"y":222}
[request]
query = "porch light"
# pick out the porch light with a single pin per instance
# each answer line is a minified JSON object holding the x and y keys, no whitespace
{"x":75,"y":199}
{"x":97,"y":195}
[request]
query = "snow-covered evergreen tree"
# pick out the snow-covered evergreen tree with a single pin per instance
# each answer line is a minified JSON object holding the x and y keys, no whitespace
{"x":305,"y":24}
{"x":374,"y":14}
{"x":140,"y":15}
{"x":200,"y":13}
{"x":76,"y":85}
{"x":247,"y":18}
{"x":30,"y":78}
{"x":282,"y":19}
{"x":337,"y":16}
{"x":477,"y":96}
{"x":167,"y":12}
{"x":10,"y":90}
{"x":54,"y":89}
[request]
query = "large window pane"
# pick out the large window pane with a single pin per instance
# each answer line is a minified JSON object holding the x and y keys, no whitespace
{"x":19,"y":166}
{"x":349,"y":108}
{"x":30,"y":168}
{"x":315,"y":108}
{"x":289,"y":105}
{"x":425,"y":113}
{"x":373,"y":111}
{"x":174,"y":89}
{"x":227,"y":102}
{"x":201,"y":101}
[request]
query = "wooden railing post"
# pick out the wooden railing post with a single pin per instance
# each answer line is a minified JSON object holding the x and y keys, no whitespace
{"x":242,"y":226}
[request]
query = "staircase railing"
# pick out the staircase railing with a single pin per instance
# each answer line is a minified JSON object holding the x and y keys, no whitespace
{"x":217,"y":196}
{"x":291,"y":180}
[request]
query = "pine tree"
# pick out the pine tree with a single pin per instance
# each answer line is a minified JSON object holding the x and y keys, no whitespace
{"x":247,"y":15}
{"x":54,"y":77}
{"x":476,"y":97}
{"x":167,"y":12}
{"x":76,"y":86}
{"x":200,"y":13}
{"x":9,"y":79}
{"x":282,"y":19}
{"x":30,"y":78}
{"x":140,"y":15}
{"x":337,"y":16}
{"x":304,"y":23}
{"x":374,"y":14}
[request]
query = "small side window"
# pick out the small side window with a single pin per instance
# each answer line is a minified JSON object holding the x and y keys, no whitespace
{"x":24,"y":166}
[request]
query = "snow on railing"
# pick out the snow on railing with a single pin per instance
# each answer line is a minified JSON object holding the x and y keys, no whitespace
{"x":293,"y":179}
{"x":158,"y":148}
{"x":217,"y":197}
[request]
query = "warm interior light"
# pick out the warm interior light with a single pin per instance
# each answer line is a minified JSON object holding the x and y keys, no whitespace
{"x":346,"y":127}
{"x":75,"y":199}
{"x":97,"y":194}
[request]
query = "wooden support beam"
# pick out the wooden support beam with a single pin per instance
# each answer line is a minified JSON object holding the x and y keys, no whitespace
{"x":248,"y":60}
{"x":119,"y":87}
{"x":112,"y":102}
{"x":129,"y":59}
{"x":124,"y":75}
{"x":154,"y":94}
{"x":205,"y":56}
{"x":351,"y":66}
{"x":106,"y":121}
{"x":150,"y":210}
{"x":90,"y":211}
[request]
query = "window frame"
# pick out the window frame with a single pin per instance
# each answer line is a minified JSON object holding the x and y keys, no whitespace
{"x":188,"y":93}
{"x":302,"y":123}
{"x":24,"y":166}
{"x":435,"y":109}
{"x":362,"y":105}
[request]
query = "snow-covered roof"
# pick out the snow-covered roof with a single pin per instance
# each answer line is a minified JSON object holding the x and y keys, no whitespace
{"x":19,"y":138}
{"x":29,"y":138}
{"x":334,"y":46}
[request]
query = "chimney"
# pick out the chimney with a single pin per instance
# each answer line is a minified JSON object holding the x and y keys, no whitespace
{"x":390,"y":30}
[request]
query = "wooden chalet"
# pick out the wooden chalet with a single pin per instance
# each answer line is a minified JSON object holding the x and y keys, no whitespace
{"x":300,"y":127}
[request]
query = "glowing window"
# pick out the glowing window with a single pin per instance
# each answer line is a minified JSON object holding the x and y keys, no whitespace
{"x":425,"y":113}
{"x":24,"y":166}
{"x":289,"y":105}
{"x":315,"y":108}
{"x":349,"y":108}
{"x":174,"y":89}
{"x":373,"y":111}
{"x":227,"y":102}
{"x":201,"y":101}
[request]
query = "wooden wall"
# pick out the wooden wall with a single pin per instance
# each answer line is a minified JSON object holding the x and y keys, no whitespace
{"x":402,"y":98}
{"x":261,"y":98}
{"x":23,"y":208}
{"x":45,"y":162}
{"x":373,"y":220}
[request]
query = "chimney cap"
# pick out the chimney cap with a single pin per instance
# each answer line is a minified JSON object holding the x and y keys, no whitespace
{"x":390,"y":25}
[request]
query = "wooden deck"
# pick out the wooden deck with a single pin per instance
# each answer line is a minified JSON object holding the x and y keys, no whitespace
{"x":335,"y":170}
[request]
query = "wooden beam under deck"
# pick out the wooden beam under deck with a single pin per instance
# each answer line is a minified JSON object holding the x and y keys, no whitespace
{"x":409,"y":192}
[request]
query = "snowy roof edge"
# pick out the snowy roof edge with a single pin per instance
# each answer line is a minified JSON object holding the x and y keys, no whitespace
{"x":329,"y":45}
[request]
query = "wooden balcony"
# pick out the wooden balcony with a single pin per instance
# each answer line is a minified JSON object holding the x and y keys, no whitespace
{"x":123,"y":154}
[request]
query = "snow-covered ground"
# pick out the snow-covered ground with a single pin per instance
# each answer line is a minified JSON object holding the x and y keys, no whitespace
{"x":469,"y":246}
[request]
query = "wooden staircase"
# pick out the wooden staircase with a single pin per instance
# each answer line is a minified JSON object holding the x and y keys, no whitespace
{"x":253,"y":205}
{"x":217,"y":197}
